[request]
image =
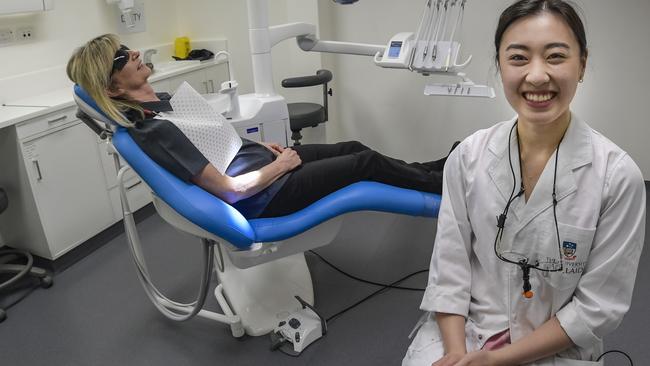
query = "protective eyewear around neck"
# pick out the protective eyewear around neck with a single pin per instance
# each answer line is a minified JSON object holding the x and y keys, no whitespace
{"x":542,"y":263}
{"x":120,"y":59}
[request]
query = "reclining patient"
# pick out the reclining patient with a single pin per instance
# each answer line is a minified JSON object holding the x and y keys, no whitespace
{"x":263,"y":180}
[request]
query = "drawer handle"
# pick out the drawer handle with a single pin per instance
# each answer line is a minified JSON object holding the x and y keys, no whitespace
{"x":57,"y":119}
{"x":38,"y":170}
{"x":211,"y":86}
{"x":133,"y":185}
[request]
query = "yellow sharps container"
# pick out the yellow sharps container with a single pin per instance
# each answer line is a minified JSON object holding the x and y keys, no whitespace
{"x":182,"y":47}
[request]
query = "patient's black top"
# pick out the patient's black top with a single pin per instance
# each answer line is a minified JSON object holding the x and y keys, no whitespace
{"x":171,"y":149}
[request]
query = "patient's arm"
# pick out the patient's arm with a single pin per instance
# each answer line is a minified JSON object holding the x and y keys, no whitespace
{"x":233,"y":189}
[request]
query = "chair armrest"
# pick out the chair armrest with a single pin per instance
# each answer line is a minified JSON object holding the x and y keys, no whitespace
{"x":321,"y":77}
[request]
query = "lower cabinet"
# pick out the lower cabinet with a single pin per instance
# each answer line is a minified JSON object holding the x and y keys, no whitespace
{"x":56,"y":186}
{"x":137,"y":191}
{"x":205,"y":81}
{"x":68,"y":187}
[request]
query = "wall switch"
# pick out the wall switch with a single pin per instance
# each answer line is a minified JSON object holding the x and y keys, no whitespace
{"x":6,"y":36}
{"x":24,"y":33}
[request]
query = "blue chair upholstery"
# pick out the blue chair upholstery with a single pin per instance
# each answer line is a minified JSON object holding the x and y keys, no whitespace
{"x":215,"y":216}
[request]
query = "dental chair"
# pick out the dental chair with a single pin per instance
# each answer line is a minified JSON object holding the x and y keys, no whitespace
{"x":303,"y":115}
{"x":260,"y":262}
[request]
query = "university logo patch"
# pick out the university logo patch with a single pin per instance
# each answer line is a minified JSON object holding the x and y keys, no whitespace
{"x":569,"y":250}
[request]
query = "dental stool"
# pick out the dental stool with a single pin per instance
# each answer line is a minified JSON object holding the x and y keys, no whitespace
{"x":302,"y":115}
{"x":260,"y":262}
{"x":8,"y":265}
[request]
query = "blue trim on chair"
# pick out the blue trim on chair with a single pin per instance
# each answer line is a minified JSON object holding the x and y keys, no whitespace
{"x":94,"y":111}
{"x":355,"y":197}
{"x":190,"y":201}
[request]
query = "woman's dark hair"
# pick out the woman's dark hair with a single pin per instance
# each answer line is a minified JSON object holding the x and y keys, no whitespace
{"x":524,"y":8}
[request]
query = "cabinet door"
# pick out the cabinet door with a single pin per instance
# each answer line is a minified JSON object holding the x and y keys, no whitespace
{"x":215,"y":75}
{"x":68,"y":186}
{"x":196,"y":79}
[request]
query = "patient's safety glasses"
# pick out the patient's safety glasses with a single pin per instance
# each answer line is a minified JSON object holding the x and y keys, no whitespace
{"x":120,"y":59}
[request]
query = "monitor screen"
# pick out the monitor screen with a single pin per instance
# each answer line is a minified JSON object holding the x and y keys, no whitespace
{"x":395,"y":47}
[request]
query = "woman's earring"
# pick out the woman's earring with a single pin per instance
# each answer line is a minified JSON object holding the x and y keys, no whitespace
{"x":581,"y":80}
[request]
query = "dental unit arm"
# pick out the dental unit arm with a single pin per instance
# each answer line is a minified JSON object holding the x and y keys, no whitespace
{"x":432,"y":50}
{"x":127,"y":8}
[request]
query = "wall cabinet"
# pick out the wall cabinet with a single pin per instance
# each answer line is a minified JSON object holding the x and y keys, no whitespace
{"x":205,"y":81}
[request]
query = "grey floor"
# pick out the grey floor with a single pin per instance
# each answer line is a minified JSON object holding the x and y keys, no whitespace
{"x":97,"y":314}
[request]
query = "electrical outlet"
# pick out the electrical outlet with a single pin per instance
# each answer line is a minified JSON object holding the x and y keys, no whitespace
{"x":24,"y":33}
{"x":6,"y":36}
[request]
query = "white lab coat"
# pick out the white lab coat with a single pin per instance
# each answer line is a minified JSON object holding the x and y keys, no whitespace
{"x":601,"y":208}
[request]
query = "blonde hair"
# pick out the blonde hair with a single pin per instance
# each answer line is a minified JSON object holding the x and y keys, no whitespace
{"x":90,"y":66}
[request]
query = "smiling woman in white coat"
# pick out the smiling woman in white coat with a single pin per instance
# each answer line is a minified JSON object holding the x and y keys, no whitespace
{"x":542,"y":219}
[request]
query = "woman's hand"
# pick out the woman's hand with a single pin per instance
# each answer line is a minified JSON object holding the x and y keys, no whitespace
{"x":478,"y":358}
{"x":450,"y":359}
{"x":275,"y":148}
{"x":288,"y":159}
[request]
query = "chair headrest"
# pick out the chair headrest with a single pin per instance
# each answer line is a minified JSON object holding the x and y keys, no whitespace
{"x":89,"y":106}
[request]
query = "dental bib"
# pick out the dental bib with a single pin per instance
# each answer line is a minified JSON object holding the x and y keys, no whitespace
{"x":207,"y":129}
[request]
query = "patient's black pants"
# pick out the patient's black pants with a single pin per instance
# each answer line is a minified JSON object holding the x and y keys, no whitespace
{"x":329,"y":167}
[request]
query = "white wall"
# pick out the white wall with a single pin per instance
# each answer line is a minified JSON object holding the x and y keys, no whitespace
{"x":387,"y":110}
{"x":70,"y":24}
{"x":228,"y":19}
{"x":383,"y":108}
{"x":73,"y":22}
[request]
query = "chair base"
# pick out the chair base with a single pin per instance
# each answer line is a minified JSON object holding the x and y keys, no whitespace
{"x":20,"y":271}
{"x":263,"y":295}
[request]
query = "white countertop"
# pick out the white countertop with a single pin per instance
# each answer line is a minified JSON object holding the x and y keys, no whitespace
{"x":16,"y":111}
{"x":9,"y":116}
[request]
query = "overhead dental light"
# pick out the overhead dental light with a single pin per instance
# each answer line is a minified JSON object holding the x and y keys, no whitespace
{"x":127,"y":8}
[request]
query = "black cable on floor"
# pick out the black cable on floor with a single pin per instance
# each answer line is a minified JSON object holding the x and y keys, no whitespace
{"x":617,"y":351}
{"x":392,"y":286}
{"x":368,"y":281}
{"x":386,"y":287}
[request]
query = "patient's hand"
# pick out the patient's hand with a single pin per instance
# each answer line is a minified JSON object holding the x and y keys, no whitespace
{"x":288,"y":159}
{"x":275,"y":148}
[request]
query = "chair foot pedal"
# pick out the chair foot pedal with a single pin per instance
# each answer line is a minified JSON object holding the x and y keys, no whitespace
{"x":300,"y":329}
